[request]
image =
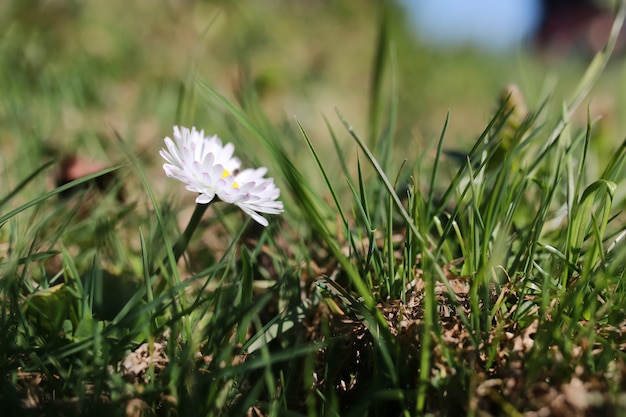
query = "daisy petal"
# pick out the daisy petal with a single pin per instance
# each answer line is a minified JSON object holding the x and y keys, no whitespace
{"x":208,"y":167}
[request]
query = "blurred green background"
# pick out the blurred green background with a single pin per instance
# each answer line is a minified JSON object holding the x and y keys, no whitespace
{"x":72,"y":73}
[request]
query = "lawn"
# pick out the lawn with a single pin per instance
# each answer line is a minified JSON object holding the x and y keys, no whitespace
{"x":448,"y":239}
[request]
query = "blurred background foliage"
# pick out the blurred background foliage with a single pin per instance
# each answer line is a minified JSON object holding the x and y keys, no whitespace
{"x":70,"y":70}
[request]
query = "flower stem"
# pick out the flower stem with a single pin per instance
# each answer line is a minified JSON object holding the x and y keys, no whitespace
{"x":183,"y":240}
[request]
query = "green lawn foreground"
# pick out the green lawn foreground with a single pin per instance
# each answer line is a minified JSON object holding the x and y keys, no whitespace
{"x":486,"y":285}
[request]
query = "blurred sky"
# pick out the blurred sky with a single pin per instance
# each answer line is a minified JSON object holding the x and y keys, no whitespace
{"x":492,"y":24}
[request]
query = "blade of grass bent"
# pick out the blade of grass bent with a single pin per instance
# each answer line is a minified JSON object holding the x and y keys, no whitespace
{"x":385,"y":180}
{"x":323,"y":171}
{"x":25,"y":181}
{"x":56,"y":191}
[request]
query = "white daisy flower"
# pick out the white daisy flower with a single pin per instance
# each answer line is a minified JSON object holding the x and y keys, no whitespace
{"x":209,"y":169}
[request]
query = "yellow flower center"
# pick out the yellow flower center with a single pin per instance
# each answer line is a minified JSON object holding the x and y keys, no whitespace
{"x":226,"y":174}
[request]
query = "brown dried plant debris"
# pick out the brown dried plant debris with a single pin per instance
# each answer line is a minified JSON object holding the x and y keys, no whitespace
{"x":135,"y":367}
{"x":505,"y":386}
